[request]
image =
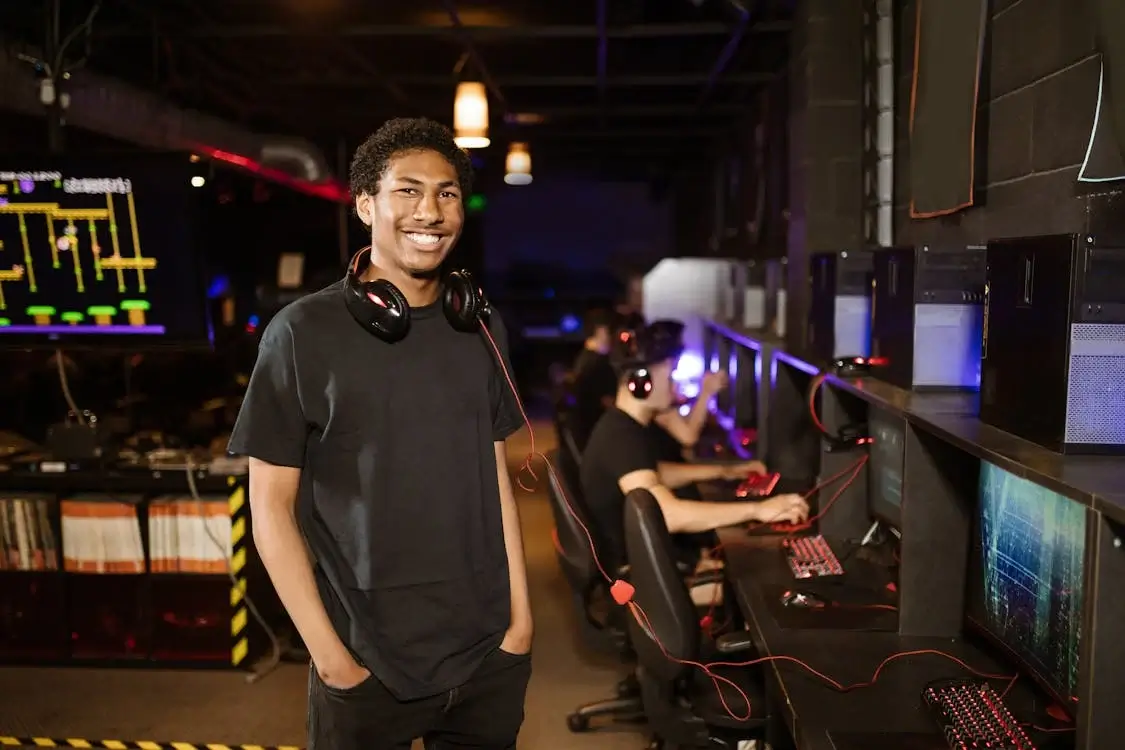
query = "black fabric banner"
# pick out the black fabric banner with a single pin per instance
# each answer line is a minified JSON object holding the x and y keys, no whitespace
{"x":1105,"y":159}
{"x":948,"y":49}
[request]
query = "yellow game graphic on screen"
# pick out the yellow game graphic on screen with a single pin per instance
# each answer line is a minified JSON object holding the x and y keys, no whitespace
{"x":71,"y":256}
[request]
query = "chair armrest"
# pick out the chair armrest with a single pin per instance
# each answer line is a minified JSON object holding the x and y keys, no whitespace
{"x":706,"y":577}
{"x":734,"y":643}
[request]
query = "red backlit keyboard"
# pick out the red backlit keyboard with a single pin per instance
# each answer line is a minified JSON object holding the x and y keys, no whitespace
{"x":811,"y":557}
{"x":971,"y":714}
{"x":757,"y":485}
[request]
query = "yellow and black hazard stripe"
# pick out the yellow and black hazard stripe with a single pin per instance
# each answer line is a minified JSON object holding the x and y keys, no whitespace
{"x":239,"y":616}
{"x":131,"y":744}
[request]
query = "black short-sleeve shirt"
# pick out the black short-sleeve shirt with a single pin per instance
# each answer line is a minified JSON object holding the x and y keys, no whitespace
{"x":399,"y":500}
{"x":593,"y":381}
{"x":619,"y":445}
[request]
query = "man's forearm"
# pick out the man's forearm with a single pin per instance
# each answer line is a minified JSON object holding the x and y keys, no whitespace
{"x":513,"y":544}
{"x":282,"y":549}
{"x":676,"y":475}
{"x":697,"y":418}
{"x":694,"y":517}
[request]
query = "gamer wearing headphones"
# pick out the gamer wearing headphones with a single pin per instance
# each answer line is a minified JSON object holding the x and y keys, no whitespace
{"x":375,"y":423}
{"x":619,"y":457}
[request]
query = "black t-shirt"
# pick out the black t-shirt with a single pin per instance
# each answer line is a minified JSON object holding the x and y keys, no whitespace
{"x":399,"y":499}
{"x":593,"y":381}
{"x":619,"y":445}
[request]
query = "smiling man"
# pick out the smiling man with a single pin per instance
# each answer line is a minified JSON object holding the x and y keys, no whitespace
{"x":385,"y":460}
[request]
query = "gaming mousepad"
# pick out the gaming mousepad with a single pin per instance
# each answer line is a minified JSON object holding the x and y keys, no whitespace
{"x":886,"y":741}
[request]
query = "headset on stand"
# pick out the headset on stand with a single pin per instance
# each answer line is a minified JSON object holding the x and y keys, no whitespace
{"x":380,"y":307}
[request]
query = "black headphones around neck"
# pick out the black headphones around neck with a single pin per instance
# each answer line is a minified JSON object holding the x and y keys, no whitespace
{"x":380,"y":307}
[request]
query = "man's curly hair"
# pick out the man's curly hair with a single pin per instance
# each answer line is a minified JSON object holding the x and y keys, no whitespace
{"x":401,"y":135}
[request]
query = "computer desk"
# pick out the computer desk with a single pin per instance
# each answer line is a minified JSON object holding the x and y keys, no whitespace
{"x":808,"y":707}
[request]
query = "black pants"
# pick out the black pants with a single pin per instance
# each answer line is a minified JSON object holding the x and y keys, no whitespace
{"x":484,"y":714}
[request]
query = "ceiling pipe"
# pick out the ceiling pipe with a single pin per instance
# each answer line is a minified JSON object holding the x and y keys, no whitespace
{"x":471,"y":49}
{"x":128,"y":113}
{"x":741,"y":25}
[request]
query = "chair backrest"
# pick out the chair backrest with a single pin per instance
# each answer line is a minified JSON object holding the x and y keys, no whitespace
{"x":661,"y":592}
{"x":575,"y":555}
{"x":570,"y":457}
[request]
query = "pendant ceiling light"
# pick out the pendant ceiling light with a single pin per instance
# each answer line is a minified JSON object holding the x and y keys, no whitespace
{"x":517,"y":167}
{"x":470,"y":115}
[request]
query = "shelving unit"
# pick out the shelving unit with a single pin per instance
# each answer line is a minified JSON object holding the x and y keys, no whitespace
{"x":126,"y":568}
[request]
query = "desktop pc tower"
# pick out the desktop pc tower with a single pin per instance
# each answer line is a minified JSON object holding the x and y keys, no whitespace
{"x":753,"y":309}
{"x":927,"y":313}
{"x":840,"y":307}
{"x":1053,"y":369}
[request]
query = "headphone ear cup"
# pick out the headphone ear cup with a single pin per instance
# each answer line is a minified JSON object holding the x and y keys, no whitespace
{"x":463,"y":302}
{"x":380,"y":307}
{"x":639,"y":383}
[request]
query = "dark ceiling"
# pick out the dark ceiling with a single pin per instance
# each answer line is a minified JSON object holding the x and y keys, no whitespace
{"x":593,"y":79}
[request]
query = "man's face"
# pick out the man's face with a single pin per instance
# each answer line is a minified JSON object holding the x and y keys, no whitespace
{"x":417,"y":214}
{"x":663,"y":389}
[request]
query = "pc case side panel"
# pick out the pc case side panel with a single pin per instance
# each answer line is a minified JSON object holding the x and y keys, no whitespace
{"x":821,"y":334}
{"x":1023,"y":375}
{"x":892,"y":330}
{"x":947,"y":341}
{"x":853,"y":326}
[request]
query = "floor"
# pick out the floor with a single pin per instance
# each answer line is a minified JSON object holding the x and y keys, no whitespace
{"x":202,"y":708}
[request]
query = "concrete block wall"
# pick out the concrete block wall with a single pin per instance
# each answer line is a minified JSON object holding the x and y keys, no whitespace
{"x":825,"y":141}
{"x":1036,"y":109}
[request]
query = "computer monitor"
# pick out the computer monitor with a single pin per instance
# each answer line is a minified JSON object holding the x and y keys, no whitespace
{"x":100,"y":251}
{"x":724,"y":401}
{"x":1027,"y":574}
{"x":745,"y":388}
{"x":886,"y":459}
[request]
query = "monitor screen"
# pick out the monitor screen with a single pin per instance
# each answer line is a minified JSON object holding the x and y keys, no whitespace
{"x":745,"y":388}
{"x":1026,"y":576}
{"x":886,"y":460}
{"x":99,"y":252}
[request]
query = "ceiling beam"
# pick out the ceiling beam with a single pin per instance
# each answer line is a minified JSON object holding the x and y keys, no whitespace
{"x":629,"y":133}
{"x":478,"y":33}
{"x":525,"y":81}
{"x":621,"y":111}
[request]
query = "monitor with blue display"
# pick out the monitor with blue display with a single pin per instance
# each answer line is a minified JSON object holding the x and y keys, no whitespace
{"x":886,"y":459}
{"x":99,"y":251}
{"x":1027,"y":577}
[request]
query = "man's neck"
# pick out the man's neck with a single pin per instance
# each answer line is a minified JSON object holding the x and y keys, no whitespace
{"x":592,"y":346}
{"x":634,"y":408}
{"x":419,"y":292}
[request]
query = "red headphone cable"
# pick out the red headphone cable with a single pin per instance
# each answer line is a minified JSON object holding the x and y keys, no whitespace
{"x":622,"y":591}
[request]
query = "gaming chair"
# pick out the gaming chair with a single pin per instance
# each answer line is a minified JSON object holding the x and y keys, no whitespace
{"x":603,"y":628}
{"x":681,"y":703}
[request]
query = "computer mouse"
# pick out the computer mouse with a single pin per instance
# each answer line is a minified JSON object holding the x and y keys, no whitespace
{"x":802,"y":600}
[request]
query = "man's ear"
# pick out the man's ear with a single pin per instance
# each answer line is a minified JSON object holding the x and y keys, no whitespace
{"x":364,"y":207}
